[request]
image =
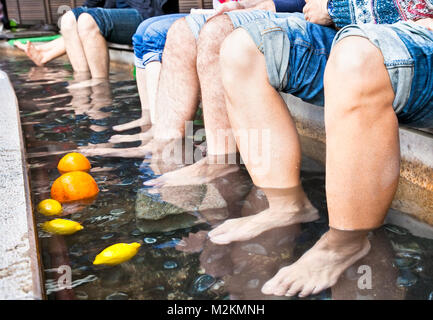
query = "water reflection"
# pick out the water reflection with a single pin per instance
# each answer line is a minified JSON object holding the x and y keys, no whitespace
{"x":176,"y":260}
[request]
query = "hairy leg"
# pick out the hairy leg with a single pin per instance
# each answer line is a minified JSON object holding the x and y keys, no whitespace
{"x":176,"y":98}
{"x":219,"y":138}
{"x":362,"y":166}
{"x":94,"y":46}
{"x":256,"y":110}
{"x":73,"y":45}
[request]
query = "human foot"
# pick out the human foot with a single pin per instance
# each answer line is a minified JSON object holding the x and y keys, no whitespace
{"x":246,"y":228}
{"x":136,"y":152}
{"x":319,"y":268}
{"x":143,"y":121}
{"x":144,"y":137}
{"x":32,"y":52}
{"x":201,"y":172}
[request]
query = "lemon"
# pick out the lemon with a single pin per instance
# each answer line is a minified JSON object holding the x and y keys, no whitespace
{"x":50,"y":207}
{"x":62,"y":226}
{"x":117,"y":253}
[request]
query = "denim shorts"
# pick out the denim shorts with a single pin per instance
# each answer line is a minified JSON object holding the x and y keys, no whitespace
{"x":407,"y":49}
{"x":295,"y":52}
{"x":197,"y":21}
{"x":149,"y":39}
{"x":115,"y":25}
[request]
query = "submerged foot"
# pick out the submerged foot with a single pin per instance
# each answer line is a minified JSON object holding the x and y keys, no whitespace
{"x":198,"y":173}
{"x":143,"y":137}
{"x":32,"y":52}
{"x":136,"y":152}
{"x":318,"y":269}
{"x":249,"y":227}
{"x":143,"y":121}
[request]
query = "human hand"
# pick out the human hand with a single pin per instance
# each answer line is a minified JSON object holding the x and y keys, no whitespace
{"x":226,"y":7}
{"x":426,"y":23}
{"x":316,"y":11}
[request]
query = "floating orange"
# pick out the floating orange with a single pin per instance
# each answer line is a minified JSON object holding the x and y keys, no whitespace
{"x":72,"y":186}
{"x":73,"y":161}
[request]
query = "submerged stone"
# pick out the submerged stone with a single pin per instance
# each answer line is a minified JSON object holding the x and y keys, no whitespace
{"x":117,"y":212}
{"x":406,"y":279}
{"x":117,"y":296}
{"x":136,"y":233}
{"x":81,"y":295}
{"x":397,"y":230}
{"x":177,"y":200}
{"x":107,"y":236}
{"x":254,"y":248}
{"x":202,"y":283}
{"x":405,"y":263}
{"x":169,"y":244}
{"x":170,"y":265}
{"x":167,"y":224}
{"x":149,"y":240}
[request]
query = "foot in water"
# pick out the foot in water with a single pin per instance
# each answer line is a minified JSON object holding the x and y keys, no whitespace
{"x":32,"y":52}
{"x":198,"y":173}
{"x":136,"y":152}
{"x":245,"y":228}
{"x":144,"y":137}
{"x":143,"y":121}
{"x":318,"y":269}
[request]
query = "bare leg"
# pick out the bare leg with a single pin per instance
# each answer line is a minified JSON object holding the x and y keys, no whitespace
{"x":219,"y":137}
{"x":177,"y":96}
{"x":252,"y":103}
{"x":362,"y":166}
{"x":94,"y":45}
{"x":143,"y":91}
{"x":73,"y":45}
{"x":44,"y":53}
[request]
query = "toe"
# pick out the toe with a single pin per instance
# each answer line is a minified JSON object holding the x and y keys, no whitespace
{"x":275,"y":285}
{"x":295,"y":288}
{"x":307,"y":290}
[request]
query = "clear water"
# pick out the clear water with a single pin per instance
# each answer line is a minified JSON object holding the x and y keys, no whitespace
{"x":176,"y":261}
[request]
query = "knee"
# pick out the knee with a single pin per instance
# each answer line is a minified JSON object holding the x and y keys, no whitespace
{"x":210,"y":39}
{"x":179,"y":34}
{"x":238,"y":57}
{"x":352,"y":73}
{"x":350,"y":57}
{"x":68,"y":22}
{"x":86,"y":25}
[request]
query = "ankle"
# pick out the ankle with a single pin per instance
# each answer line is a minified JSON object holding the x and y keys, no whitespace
{"x":224,"y":159}
{"x":282,"y":198}
{"x":352,"y":240}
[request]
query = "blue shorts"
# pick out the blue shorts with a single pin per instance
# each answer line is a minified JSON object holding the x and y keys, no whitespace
{"x":197,"y":21}
{"x":407,"y":49}
{"x":115,"y":25}
{"x":296,"y":53}
{"x":149,"y":38}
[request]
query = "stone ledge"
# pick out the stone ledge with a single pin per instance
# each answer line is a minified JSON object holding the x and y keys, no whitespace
{"x":20,"y":275}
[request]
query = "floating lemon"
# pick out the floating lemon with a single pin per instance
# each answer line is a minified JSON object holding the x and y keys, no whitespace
{"x":72,"y":186}
{"x":117,"y":253}
{"x":73,"y":161}
{"x":62,"y":226}
{"x":50,"y":207}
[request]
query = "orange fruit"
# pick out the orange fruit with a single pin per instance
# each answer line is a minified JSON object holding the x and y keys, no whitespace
{"x":73,"y":161}
{"x":72,"y":186}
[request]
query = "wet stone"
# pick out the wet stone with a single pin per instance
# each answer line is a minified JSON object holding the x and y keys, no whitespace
{"x":136,"y":233}
{"x":202,"y":283}
{"x":117,"y":212}
{"x":406,"y":279}
{"x":170,"y":265}
{"x":430,"y":296}
{"x":117,"y":296}
{"x":149,"y":240}
{"x":81,"y":295}
{"x":405,"y":263}
{"x":397,"y":230}
{"x":107,"y":236}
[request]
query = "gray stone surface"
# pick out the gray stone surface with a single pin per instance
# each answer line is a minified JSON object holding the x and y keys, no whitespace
{"x":20,"y":276}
